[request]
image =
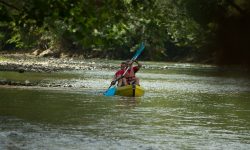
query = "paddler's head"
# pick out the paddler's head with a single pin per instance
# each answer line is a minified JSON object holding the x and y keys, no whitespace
{"x":123,"y":65}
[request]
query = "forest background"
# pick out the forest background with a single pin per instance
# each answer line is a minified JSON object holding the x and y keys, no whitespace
{"x":204,"y":31}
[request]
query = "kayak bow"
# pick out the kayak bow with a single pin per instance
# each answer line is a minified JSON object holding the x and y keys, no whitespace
{"x":130,"y":91}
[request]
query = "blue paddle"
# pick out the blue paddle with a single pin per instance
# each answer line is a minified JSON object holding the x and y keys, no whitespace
{"x":138,"y":52}
{"x":111,"y":90}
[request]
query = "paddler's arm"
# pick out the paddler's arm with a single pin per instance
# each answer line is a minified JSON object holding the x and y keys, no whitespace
{"x":139,"y":65}
{"x":113,"y":80}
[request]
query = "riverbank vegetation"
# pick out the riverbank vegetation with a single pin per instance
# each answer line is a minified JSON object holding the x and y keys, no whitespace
{"x":214,"y":31}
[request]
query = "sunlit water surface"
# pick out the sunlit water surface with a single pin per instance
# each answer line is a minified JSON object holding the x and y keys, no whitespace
{"x":186,"y":106}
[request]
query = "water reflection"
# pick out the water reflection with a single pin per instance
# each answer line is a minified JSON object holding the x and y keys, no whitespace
{"x":186,"y":110}
{"x":128,"y":102}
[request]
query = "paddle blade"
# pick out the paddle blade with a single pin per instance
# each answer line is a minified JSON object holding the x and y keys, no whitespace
{"x":110,"y":92}
{"x":139,"y":51}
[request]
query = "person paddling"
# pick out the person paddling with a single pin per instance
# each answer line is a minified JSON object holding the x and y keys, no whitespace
{"x":118,"y":74}
{"x":130,"y":75}
{"x":112,"y":90}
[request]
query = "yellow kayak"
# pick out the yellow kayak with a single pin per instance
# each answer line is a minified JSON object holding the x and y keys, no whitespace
{"x":130,"y":91}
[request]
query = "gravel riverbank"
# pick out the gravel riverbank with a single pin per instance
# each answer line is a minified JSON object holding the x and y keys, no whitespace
{"x":22,"y":63}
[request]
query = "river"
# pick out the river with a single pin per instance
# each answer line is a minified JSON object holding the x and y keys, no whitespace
{"x":186,"y":106}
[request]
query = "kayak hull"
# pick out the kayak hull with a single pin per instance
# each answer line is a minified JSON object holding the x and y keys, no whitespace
{"x":130,"y":91}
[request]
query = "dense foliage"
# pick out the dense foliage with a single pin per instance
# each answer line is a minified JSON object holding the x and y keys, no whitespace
{"x":171,"y":29}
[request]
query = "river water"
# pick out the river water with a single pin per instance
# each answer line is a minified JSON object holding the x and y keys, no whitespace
{"x":186,"y":106}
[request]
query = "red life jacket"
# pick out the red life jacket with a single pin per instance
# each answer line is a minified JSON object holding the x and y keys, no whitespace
{"x":119,"y":73}
{"x":130,"y":77}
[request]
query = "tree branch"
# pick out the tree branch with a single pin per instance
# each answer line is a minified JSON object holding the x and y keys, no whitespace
{"x":9,"y":5}
{"x":233,"y":4}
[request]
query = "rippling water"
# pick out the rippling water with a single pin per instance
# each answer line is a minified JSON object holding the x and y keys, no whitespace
{"x":186,"y":106}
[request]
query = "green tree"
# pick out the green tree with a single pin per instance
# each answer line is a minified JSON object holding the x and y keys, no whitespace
{"x":170,"y":28}
{"x":227,"y":24}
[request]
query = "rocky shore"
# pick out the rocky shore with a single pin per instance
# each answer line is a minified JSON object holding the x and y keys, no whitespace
{"x":22,"y":63}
